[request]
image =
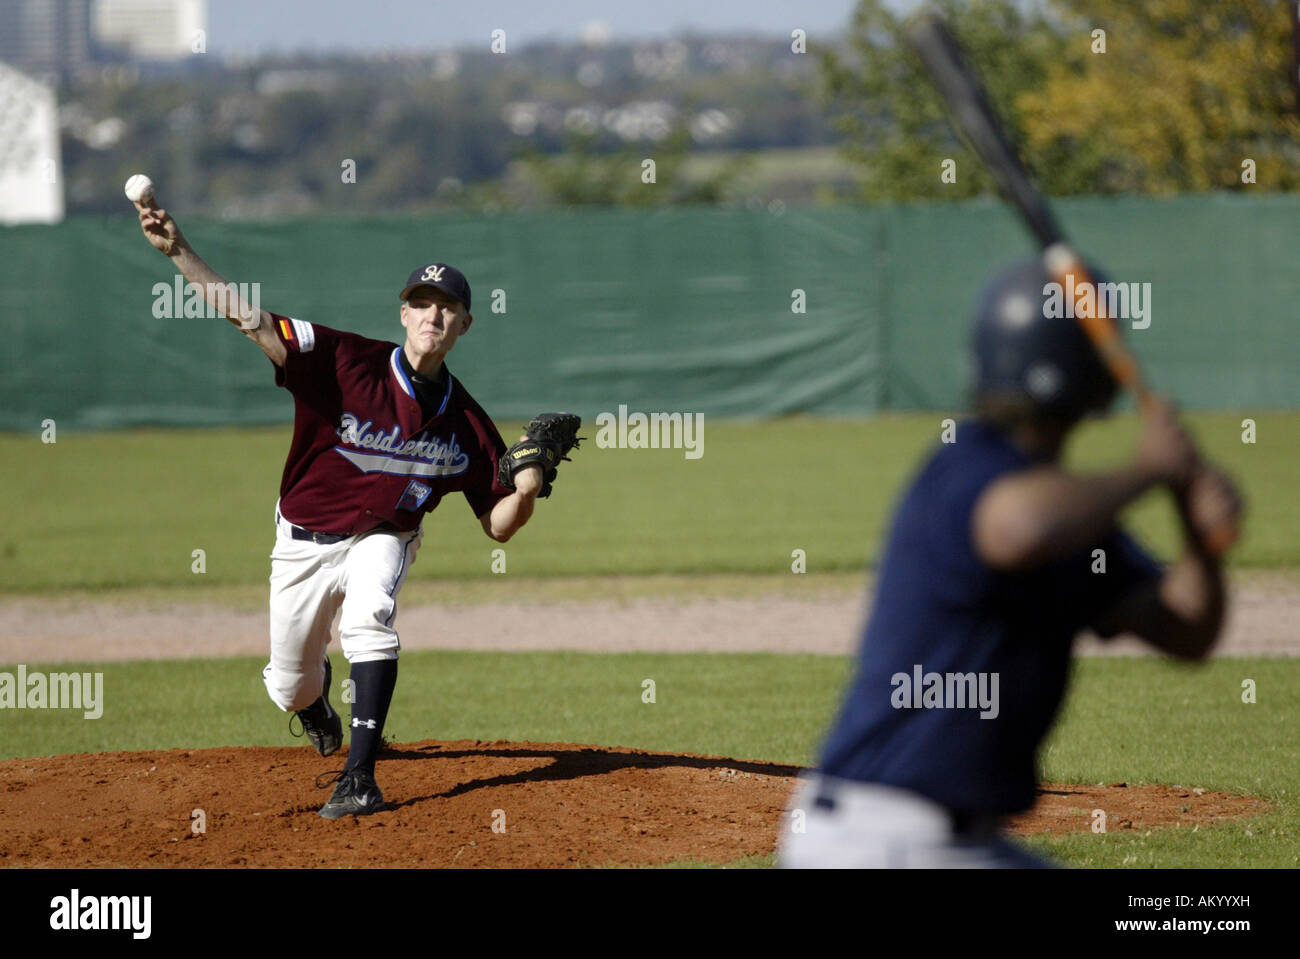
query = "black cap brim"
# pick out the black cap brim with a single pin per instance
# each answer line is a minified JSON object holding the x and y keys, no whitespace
{"x":437,"y":286}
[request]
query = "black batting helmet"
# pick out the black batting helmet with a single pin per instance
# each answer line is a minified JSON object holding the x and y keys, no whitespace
{"x":1025,"y":354}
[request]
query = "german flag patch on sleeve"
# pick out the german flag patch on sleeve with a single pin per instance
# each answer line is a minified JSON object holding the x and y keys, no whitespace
{"x":298,"y":335}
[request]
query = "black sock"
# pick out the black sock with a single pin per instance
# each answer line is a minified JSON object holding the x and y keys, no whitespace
{"x":373,"y":684}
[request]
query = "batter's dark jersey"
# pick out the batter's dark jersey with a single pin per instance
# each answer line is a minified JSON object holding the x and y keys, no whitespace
{"x":938,"y":606}
{"x":364,"y":456}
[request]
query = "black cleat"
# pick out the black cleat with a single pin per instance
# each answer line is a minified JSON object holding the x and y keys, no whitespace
{"x":355,"y":795}
{"x":320,"y":723}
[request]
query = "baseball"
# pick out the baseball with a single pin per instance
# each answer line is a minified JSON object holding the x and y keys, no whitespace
{"x":139,"y":188}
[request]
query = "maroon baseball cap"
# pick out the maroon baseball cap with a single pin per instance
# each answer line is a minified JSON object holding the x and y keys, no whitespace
{"x":446,"y":278}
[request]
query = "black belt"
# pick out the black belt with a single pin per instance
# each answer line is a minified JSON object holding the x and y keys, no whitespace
{"x":320,"y":539}
{"x":972,"y":824}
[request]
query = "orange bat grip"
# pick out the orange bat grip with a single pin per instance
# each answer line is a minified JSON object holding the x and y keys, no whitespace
{"x":1067,"y":268}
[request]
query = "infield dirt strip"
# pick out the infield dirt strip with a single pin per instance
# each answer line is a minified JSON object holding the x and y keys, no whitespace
{"x":553,"y":805}
{"x":1263,"y":620}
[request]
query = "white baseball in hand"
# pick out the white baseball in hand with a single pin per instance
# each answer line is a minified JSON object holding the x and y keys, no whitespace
{"x":139,"y":189}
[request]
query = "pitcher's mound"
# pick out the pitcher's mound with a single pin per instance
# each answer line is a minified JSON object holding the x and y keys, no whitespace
{"x":458,"y":804}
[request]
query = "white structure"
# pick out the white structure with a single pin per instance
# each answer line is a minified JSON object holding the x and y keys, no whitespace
{"x":31,"y":174}
{"x":150,"y":29}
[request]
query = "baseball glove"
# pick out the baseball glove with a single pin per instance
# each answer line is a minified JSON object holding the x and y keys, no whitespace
{"x":550,"y":436}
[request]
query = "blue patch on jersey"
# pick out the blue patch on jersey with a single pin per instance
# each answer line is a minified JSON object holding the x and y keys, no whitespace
{"x":415,"y":495}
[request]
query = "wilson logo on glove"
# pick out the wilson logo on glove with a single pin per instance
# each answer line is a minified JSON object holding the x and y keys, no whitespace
{"x":547,"y":441}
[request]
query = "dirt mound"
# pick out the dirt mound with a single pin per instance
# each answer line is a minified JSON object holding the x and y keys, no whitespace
{"x":1070,"y":808}
{"x":558,"y":805}
{"x":551,"y":805}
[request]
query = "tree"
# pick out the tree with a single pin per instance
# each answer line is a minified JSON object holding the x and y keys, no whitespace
{"x":893,"y":120}
{"x":1184,"y":92}
{"x":584,"y":176}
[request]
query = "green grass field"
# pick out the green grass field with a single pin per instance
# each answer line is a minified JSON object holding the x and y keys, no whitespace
{"x":121,"y":513}
{"x":126,"y":510}
{"x":1141,"y":721}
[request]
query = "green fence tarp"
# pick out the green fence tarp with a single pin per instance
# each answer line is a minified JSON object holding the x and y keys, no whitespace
{"x":683,"y":310}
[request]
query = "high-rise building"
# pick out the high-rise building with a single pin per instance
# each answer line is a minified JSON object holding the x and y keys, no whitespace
{"x":150,"y":29}
{"x":46,"y":39}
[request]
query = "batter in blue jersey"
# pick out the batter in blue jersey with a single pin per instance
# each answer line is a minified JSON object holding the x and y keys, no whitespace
{"x":997,"y":557}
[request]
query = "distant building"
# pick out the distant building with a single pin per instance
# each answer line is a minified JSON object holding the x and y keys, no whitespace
{"x":150,"y":29}
{"x":31,"y":178}
{"x":46,"y":39}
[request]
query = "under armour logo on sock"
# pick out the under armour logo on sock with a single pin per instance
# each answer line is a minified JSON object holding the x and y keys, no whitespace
{"x":368,"y":723}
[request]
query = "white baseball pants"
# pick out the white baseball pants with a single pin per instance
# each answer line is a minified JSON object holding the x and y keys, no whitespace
{"x":868,"y":826}
{"x":310,"y":583}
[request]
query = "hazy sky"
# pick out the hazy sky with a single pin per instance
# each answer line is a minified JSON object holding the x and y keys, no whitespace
{"x":256,"y":26}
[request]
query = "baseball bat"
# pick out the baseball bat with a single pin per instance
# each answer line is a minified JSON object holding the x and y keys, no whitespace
{"x":974,"y":118}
